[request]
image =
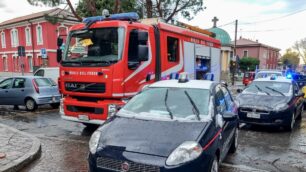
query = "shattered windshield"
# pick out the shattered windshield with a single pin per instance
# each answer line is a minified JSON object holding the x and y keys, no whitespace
{"x":269,"y":88}
{"x":94,"y":47}
{"x":169,"y":103}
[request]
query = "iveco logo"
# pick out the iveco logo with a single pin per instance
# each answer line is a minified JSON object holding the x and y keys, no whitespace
{"x":71,"y":85}
{"x":125,"y":166}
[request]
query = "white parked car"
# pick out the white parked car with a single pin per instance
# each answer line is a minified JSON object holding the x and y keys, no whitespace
{"x":268,"y":73}
{"x":48,"y":72}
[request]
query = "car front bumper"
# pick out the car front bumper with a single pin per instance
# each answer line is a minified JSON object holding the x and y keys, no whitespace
{"x":273,"y":118}
{"x":144,"y":163}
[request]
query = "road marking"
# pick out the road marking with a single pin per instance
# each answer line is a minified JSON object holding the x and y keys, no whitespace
{"x":243,"y":167}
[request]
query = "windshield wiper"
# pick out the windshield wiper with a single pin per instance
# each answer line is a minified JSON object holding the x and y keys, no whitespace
{"x":197,"y":112}
{"x":259,"y":89}
{"x":275,"y":90}
{"x":167,"y":107}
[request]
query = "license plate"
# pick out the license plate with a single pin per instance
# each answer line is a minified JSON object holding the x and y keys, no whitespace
{"x":253,"y":115}
{"x":83,"y":117}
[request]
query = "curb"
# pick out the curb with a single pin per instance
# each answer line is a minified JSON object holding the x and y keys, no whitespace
{"x":28,"y":157}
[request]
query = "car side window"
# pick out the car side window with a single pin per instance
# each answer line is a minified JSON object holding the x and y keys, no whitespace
{"x":40,"y":73}
{"x":19,"y":83}
{"x":6,"y":84}
{"x":220,"y":100}
{"x":228,"y":99}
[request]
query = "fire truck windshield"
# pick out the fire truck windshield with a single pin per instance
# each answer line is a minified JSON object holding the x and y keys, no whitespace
{"x":94,"y":47}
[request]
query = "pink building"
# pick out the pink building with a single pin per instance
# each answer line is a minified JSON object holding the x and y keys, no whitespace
{"x":35,"y":33}
{"x":267,"y":55}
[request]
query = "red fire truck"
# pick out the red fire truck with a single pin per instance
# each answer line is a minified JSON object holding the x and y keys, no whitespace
{"x":106,"y":60}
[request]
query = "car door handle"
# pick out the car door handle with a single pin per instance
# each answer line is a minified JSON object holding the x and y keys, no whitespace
{"x":22,"y":90}
{"x":6,"y":91}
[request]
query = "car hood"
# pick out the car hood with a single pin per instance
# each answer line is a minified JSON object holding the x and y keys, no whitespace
{"x":151,"y":137}
{"x":260,"y":101}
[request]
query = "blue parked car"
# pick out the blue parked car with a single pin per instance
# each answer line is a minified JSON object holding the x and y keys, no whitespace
{"x":170,"y":126}
{"x":29,"y":91}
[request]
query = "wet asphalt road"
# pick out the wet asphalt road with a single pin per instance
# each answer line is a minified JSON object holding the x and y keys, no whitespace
{"x":65,"y":144}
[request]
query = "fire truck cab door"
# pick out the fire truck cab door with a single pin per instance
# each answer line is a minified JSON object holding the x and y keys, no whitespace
{"x":139,"y":61}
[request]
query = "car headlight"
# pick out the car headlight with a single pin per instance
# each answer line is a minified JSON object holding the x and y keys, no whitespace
{"x":94,"y":141}
{"x":112,"y":109}
{"x":186,"y":152}
{"x":281,"y":106}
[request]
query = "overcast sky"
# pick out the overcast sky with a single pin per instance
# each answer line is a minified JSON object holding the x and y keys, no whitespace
{"x":278,"y":23}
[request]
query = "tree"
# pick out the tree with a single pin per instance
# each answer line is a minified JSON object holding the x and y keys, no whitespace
{"x":248,"y":63}
{"x":95,"y":7}
{"x":168,"y":9}
{"x":290,"y":58}
{"x":300,"y":47}
{"x":53,"y":3}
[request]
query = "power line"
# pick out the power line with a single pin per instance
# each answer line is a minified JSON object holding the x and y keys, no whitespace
{"x":263,"y":21}
{"x":273,"y":19}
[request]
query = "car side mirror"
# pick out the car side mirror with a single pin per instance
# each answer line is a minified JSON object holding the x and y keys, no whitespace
{"x":229,"y":116}
{"x":59,"y":55}
{"x":143,"y":53}
{"x":142,"y":36}
{"x":239,"y":90}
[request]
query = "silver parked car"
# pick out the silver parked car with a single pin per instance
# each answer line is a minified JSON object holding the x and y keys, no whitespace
{"x":29,"y":91}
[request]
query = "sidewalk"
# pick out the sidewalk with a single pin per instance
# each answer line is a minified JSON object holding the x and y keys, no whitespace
{"x":17,"y":149}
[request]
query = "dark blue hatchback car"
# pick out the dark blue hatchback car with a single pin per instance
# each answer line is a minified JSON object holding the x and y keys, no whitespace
{"x":275,"y":101}
{"x":169,"y":126}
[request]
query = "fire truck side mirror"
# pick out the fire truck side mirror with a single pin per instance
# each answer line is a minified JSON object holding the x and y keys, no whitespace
{"x":59,"y":41}
{"x":142,"y":37}
{"x":59,"y":55}
{"x":143,"y":52}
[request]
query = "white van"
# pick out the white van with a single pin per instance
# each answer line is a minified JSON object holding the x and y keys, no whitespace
{"x":49,"y":72}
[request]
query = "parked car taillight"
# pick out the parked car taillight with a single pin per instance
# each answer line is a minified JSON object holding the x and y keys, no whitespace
{"x":35,"y":86}
{"x":59,"y":85}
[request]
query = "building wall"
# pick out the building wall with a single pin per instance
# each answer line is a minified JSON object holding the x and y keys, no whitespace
{"x":49,"y":34}
{"x":267,"y":56}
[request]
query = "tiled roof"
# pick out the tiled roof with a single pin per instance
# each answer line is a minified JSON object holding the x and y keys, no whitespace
{"x":247,"y":42}
{"x":51,"y":12}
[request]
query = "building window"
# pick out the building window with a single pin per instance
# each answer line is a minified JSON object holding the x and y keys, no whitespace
{"x":30,"y":63}
{"x":14,"y":38}
{"x":16,"y":63}
{"x":173,"y":49}
{"x":245,"y":53}
{"x":28,"y":36}
{"x":39,"y":35}
{"x":3,"y":41}
{"x":5,"y":64}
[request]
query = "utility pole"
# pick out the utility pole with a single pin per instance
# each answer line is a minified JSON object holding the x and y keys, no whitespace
{"x":235,"y":55}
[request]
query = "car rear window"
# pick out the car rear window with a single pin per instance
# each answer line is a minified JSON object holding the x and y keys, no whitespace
{"x":43,"y":82}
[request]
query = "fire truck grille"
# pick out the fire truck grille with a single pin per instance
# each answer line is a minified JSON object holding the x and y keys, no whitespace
{"x":124,"y":166}
{"x":85,"y":87}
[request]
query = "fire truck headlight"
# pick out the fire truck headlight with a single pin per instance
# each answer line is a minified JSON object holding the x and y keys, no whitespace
{"x":94,"y":141}
{"x":61,"y":108}
{"x":112,"y":109}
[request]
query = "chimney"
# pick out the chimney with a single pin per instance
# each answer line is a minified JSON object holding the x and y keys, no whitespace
{"x":256,"y":40}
